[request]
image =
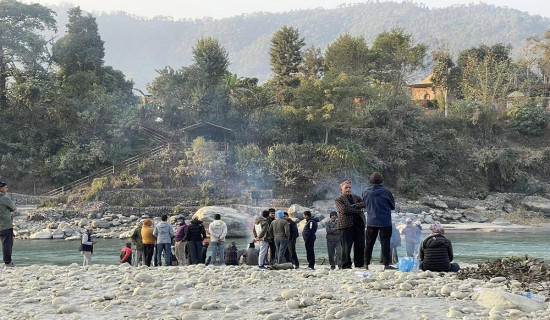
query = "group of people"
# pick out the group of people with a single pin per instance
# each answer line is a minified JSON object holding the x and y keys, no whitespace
{"x":435,"y":252}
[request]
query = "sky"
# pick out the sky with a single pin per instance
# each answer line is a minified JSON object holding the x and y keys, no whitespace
{"x":182,"y":9}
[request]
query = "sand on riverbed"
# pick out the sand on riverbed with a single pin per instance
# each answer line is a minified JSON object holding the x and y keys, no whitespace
{"x":214,"y":292}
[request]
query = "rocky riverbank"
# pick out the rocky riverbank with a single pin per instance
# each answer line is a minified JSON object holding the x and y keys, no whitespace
{"x":117,"y":292}
{"x":498,"y":212}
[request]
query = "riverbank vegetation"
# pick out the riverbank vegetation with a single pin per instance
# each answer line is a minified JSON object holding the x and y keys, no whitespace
{"x":325,"y":115}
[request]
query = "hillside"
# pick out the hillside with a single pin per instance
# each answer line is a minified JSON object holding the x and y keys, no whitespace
{"x":140,"y":46}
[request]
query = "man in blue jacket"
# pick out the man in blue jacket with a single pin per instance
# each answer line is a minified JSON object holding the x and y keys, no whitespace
{"x":379,"y":203}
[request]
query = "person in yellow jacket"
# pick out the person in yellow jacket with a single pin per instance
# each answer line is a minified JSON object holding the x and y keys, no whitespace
{"x":148,"y":240}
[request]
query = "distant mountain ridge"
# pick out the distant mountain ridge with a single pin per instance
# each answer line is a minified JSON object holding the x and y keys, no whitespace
{"x":139,"y":46}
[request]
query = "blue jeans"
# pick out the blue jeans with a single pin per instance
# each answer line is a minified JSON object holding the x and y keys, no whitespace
{"x":218,"y":246}
{"x":281,"y":244}
{"x":167,"y":253}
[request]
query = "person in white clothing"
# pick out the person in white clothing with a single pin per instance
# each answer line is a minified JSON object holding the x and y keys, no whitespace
{"x":218,"y":231}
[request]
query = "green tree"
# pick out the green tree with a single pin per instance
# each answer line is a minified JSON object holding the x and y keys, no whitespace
{"x":285,"y":57}
{"x":313,"y":63}
{"x":211,"y":59}
{"x":81,"y":49}
{"x":395,"y":57}
{"x":529,"y":119}
{"x":348,"y":54}
{"x":21,"y":43}
{"x":444,"y":75}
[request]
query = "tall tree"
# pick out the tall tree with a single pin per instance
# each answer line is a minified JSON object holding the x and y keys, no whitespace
{"x":396,"y":57}
{"x":81,"y":49}
{"x":348,"y":54}
{"x":285,"y":57}
{"x":444,"y":75}
{"x":20,"y":41}
{"x":211,"y":59}
{"x":313,"y":63}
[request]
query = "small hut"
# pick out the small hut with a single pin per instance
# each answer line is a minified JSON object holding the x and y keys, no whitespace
{"x":209,"y":131}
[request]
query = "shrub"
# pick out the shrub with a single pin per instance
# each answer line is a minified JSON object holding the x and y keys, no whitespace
{"x":528,"y":119}
{"x":98,"y":184}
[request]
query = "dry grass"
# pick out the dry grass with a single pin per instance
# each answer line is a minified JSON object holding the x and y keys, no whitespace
{"x":525,"y":217}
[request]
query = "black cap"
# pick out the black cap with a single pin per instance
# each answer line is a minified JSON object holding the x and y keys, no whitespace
{"x":3,"y":184}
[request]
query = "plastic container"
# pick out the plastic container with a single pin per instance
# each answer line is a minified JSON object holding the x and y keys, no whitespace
{"x":176,"y":301}
{"x":533,"y":296}
{"x":364,"y":274}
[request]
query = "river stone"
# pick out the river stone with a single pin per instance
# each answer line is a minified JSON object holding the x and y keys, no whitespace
{"x":440,"y":204}
{"x":41,"y":235}
{"x":538,"y":204}
{"x":496,"y":298}
{"x":101,"y":224}
{"x":292,"y":304}
{"x":275,"y":316}
{"x":58,"y":234}
{"x":497,"y":279}
{"x":197,"y":305}
{"x":238,"y":223}
{"x":69,"y":308}
{"x":297,"y":211}
{"x":143,"y":277}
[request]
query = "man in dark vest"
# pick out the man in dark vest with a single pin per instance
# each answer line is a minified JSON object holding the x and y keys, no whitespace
{"x":351,"y":223}
{"x":87,"y":246}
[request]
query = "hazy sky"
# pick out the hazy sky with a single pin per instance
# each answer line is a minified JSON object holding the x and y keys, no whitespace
{"x":226,"y":8}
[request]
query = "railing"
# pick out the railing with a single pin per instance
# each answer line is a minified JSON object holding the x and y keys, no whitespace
{"x":121,"y":166}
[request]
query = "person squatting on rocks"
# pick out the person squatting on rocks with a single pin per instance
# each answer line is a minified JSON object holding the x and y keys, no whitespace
{"x":138,"y":254}
{"x":87,"y":246}
{"x":351,"y":223}
{"x":261,"y":226}
{"x":272,"y":246}
{"x":6,"y":224}
{"x":251,"y":256}
{"x":379,"y":203}
{"x":194,"y":237}
{"x":280,"y":229}
{"x":436,"y":251}
{"x":181,"y":245}
{"x":164,"y":233}
{"x":309,"y":238}
{"x":231,"y":255}
{"x":148,"y":239}
{"x":290,"y":254}
{"x":334,"y":246}
{"x":410,"y":237}
{"x":218,"y":232}
{"x":126,"y":253}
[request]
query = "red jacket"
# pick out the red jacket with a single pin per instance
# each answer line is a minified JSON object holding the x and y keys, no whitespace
{"x":125,"y":255}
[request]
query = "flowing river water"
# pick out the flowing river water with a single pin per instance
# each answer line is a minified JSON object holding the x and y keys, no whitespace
{"x":469,"y":248}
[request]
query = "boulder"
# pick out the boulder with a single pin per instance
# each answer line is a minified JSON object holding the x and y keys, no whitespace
{"x":501,"y":299}
{"x":538,"y":204}
{"x":440,"y":204}
{"x":42,"y":235}
{"x":101,"y":224}
{"x":297,"y":211}
{"x":68,"y":230}
{"x":501,"y":222}
{"x":58,"y":234}
{"x":323,"y":206}
{"x":239,"y":225}
{"x":472,"y":216}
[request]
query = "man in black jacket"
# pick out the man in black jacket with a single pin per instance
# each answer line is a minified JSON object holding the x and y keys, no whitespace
{"x":436,"y":251}
{"x":194,"y":237}
{"x":291,"y":255}
{"x":309,"y":238}
{"x":272,"y":246}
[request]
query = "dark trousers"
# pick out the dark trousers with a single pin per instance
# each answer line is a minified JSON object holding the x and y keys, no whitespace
{"x":290,"y":254}
{"x":195,"y":251}
{"x":310,"y":253}
{"x":148,"y":250}
{"x":7,"y":244}
{"x":353,"y":237}
{"x":385,"y":236}
{"x":272,"y":252}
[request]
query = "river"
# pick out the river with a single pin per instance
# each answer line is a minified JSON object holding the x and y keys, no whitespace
{"x":470,"y":248}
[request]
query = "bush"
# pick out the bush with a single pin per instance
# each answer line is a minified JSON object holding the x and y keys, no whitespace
{"x":528,"y":119}
{"x":98,"y":184}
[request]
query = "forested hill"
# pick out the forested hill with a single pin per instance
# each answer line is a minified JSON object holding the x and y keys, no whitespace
{"x":138,"y":46}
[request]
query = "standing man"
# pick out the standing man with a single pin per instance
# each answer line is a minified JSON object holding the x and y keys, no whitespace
{"x":87,"y":246}
{"x":218,"y":231}
{"x":333,"y":241}
{"x":194,"y":237}
{"x":309,"y":238}
{"x":138,"y":254}
{"x":164,"y":233}
{"x":272,"y":246}
{"x":351,"y":224}
{"x":379,"y":203}
{"x":291,"y":255}
{"x":181,"y":245}
{"x":260,"y":234}
{"x":281,"y":232}
{"x":6,"y":224}
{"x":148,"y":240}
